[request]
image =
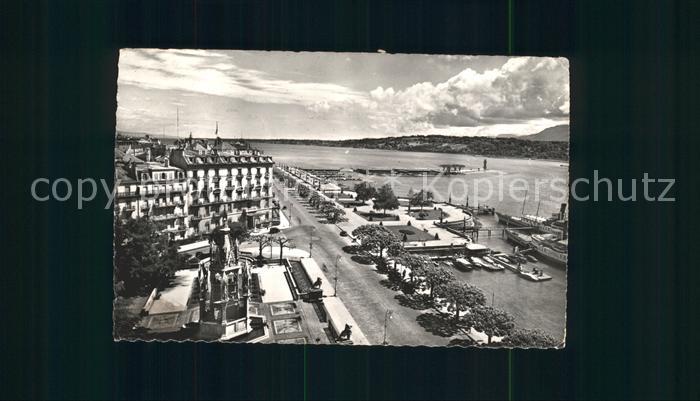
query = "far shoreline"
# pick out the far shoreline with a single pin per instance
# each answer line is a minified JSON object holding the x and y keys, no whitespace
{"x":410,"y":151}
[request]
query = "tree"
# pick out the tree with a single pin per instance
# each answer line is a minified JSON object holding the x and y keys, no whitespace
{"x":418,"y":264}
{"x":364,"y":191}
{"x":315,"y":200}
{"x":422,"y":198}
{"x":529,"y":338}
{"x":143,"y":257}
{"x":436,"y":276}
{"x":282,"y":241}
{"x":333,"y":213}
{"x":385,"y":199}
{"x":374,"y":240}
{"x":491,"y":321}
{"x":303,"y":190}
{"x":395,"y":250}
{"x":238,"y":233}
{"x":461,"y":296}
{"x":263,"y":241}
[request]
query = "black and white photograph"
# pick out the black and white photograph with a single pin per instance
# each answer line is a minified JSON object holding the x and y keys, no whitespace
{"x":341,"y":198}
{"x":350,"y":200}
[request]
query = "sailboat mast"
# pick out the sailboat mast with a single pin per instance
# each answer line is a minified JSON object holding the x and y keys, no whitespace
{"x":538,"y":208}
{"x":522,"y":213}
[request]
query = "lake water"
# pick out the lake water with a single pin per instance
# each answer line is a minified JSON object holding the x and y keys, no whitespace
{"x":505,"y":185}
{"x":533,"y":305}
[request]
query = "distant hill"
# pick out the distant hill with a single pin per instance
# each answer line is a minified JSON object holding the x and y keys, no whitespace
{"x":534,"y":146}
{"x":483,"y":146}
{"x":135,"y":134}
{"x":559,"y":133}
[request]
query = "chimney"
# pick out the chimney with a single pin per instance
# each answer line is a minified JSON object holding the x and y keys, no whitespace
{"x":148,"y":155}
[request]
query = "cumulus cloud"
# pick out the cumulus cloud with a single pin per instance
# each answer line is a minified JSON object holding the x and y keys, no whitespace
{"x":412,"y":93}
{"x":454,"y":57}
{"x":521,"y":90}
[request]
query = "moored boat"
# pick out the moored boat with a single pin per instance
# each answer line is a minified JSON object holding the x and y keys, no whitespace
{"x":518,"y":237}
{"x":491,"y":264}
{"x":463,"y":264}
{"x":556,"y":224}
{"x":478,"y":262}
{"x":504,"y":261}
{"x":550,"y":248}
{"x":509,"y":220}
{"x":539,"y":276}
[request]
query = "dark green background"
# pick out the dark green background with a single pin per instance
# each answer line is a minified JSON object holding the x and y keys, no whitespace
{"x":633,"y":268}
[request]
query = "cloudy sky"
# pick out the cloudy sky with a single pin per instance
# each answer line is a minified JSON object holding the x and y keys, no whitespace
{"x":257,"y":94}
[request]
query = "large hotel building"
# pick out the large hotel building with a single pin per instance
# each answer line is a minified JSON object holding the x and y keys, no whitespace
{"x":195,"y":186}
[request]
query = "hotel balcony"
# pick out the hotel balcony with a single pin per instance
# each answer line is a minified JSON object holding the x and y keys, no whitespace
{"x":165,"y":217}
{"x":166,"y":205}
{"x":174,"y":230}
{"x":167,"y":181}
{"x":127,"y":194}
{"x":178,"y":189}
{"x":155,"y":192}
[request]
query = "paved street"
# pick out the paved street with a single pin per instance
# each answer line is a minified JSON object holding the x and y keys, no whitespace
{"x":359,"y":286}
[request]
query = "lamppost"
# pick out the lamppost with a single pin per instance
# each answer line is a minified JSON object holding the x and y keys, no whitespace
{"x":389,"y":313}
{"x":311,"y":240}
{"x":335,"y":284}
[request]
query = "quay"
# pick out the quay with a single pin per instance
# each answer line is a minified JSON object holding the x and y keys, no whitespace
{"x":441,"y":239}
{"x":446,"y":169}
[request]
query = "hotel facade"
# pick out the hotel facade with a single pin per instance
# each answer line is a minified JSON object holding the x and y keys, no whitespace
{"x":196,"y":187}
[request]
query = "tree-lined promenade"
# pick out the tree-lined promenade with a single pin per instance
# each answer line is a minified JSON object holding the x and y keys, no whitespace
{"x":418,"y":277}
{"x":440,"y":305}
